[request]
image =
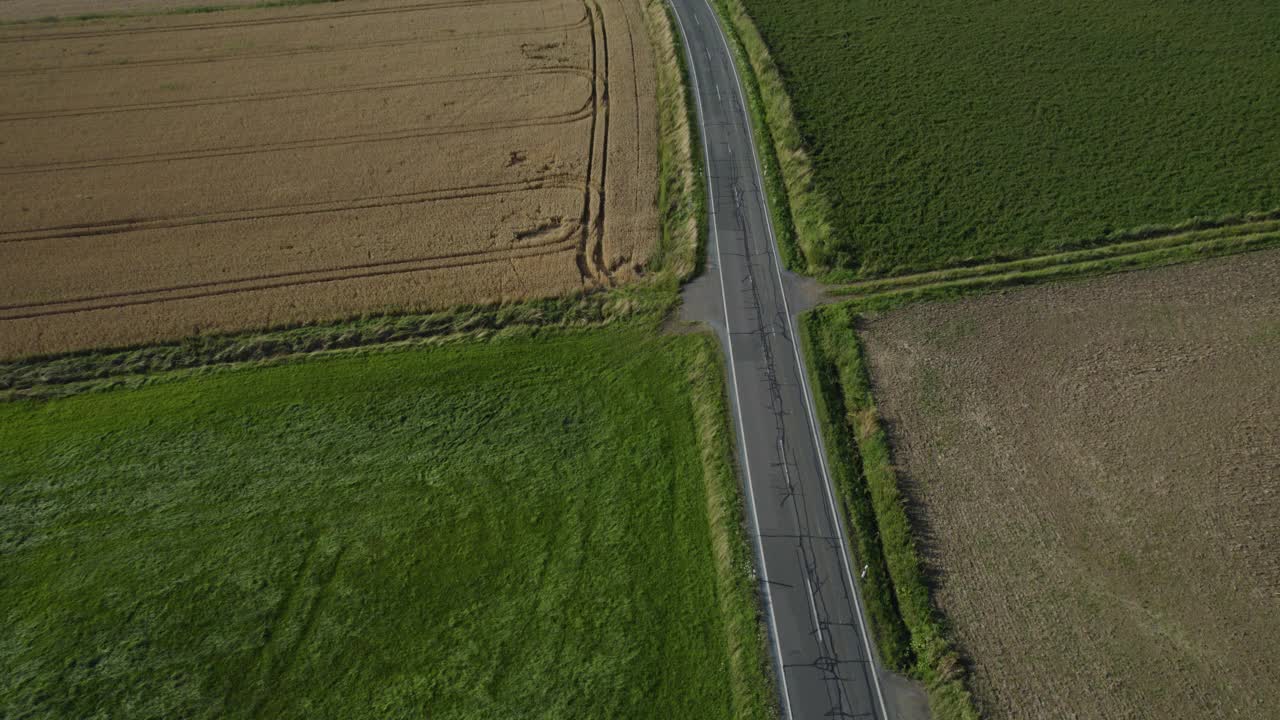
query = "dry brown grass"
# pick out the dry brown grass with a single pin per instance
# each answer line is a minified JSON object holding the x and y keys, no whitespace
{"x":1093,"y":470}
{"x":177,"y":175}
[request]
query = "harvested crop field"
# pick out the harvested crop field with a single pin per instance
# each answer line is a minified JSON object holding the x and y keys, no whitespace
{"x":174,"y":175}
{"x":1095,"y":482}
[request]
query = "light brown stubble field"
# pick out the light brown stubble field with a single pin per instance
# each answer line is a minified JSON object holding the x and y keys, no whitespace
{"x":1094,"y":471}
{"x":175,"y":175}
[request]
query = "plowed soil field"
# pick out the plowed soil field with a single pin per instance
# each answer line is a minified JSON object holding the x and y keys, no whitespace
{"x":174,"y":175}
{"x":1095,"y":473}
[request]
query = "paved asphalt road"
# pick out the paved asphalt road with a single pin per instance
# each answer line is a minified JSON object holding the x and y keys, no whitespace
{"x":816,"y":620}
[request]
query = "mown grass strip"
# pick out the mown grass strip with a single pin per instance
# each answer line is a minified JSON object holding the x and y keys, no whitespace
{"x":775,"y":186}
{"x":1140,"y":241}
{"x":891,"y":636}
{"x":50,"y":376}
{"x":869,"y":488}
{"x":1161,"y":256}
{"x":749,"y":672}
{"x":681,"y":181}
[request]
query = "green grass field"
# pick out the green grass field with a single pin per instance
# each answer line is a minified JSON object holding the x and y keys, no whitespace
{"x":518,"y":528}
{"x":946,"y":132}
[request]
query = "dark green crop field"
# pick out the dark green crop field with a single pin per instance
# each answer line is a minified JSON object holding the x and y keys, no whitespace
{"x":950,"y":131}
{"x":520,"y":528}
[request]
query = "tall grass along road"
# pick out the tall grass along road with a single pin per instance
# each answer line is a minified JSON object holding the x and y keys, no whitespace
{"x":823,"y":657}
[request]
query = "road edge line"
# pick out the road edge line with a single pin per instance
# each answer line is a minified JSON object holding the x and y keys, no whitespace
{"x":733,"y":370}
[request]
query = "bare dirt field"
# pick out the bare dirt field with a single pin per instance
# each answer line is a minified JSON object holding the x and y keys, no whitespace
{"x":1095,"y":478}
{"x":173,"y":175}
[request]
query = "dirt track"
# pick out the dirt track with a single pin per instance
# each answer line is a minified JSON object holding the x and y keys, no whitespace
{"x":173,"y":175}
{"x":1097,"y":472}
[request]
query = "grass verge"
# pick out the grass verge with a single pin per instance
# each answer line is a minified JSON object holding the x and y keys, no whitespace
{"x":759,"y":99}
{"x":98,"y":369}
{"x":522,"y":527}
{"x":801,"y":212}
{"x":682,"y":201}
{"x":1217,"y":238}
{"x":910,"y":634}
{"x":749,"y":670}
{"x":891,"y":636}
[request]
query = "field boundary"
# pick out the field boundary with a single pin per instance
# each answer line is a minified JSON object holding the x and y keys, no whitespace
{"x":776,"y":196}
{"x":800,"y":211}
{"x":682,"y":210}
{"x":72,"y":373}
{"x":910,"y":633}
{"x":1148,"y":247}
{"x":750,"y":672}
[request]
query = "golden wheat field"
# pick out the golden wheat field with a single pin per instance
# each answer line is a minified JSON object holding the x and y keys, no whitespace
{"x":173,"y":175}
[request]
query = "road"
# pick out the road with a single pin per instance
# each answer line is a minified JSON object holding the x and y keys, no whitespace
{"x":822,"y":651}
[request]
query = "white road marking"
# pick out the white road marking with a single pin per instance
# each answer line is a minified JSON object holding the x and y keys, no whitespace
{"x":804,"y":382}
{"x":733,"y":371}
{"x":718,"y":98}
{"x":817,"y":624}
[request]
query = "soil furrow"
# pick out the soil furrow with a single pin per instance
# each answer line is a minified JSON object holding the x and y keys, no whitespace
{"x":291,"y":94}
{"x":518,"y":254}
{"x":442,"y":38}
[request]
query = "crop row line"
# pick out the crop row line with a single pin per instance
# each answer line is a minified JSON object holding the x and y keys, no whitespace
{"x":583,"y":112}
{"x":111,"y":227}
{"x":561,"y":243}
{"x":296,"y":93}
{"x":445,"y":37}
{"x":314,"y":17}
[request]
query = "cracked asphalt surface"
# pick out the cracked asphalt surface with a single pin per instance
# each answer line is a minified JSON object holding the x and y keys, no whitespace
{"x":824,"y":661}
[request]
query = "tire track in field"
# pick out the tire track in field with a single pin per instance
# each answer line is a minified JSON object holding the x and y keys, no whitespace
{"x":588,"y":257}
{"x":289,"y":145}
{"x":291,"y":94}
{"x":285,"y":662}
{"x":338,"y":15}
{"x":112,"y":227}
{"x":198,"y":60}
{"x":221,"y":289}
{"x":547,"y":240}
{"x":282,"y":611}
